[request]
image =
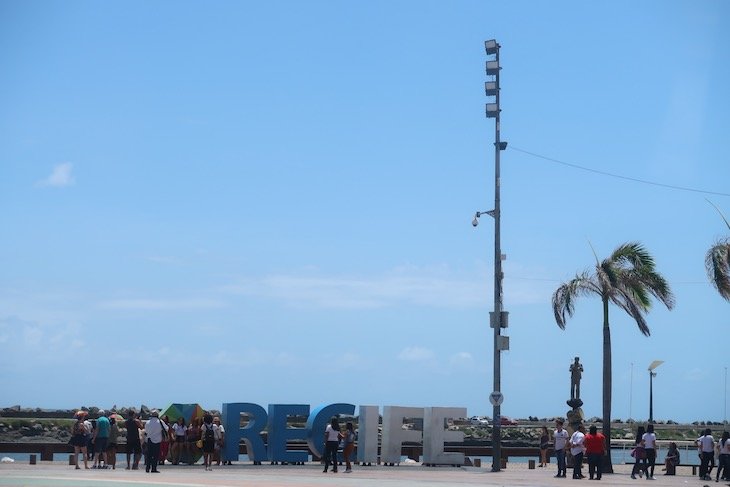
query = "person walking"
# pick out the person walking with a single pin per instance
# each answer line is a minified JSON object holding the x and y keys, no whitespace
{"x":153,"y":429}
{"x":349,"y":439}
{"x":544,"y":445}
{"x":706,"y":446}
{"x":560,"y":440}
{"x":723,"y":463}
{"x":650,"y":447}
{"x":332,"y":438}
{"x":639,"y":453}
{"x":595,"y":444}
{"x":577,"y":449}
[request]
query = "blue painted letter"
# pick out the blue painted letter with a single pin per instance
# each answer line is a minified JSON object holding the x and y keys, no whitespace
{"x":251,"y":434}
{"x":318,"y":421}
{"x":279,"y":433}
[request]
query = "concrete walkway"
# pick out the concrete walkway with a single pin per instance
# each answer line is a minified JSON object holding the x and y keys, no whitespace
{"x":60,"y":474}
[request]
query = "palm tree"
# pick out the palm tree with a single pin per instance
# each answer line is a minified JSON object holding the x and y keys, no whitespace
{"x":717,"y":262}
{"x":627,"y":278}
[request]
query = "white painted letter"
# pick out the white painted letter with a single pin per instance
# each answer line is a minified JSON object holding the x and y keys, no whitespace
{"x":367,"y":434}
{"x":393,"y":433}
{"x":435,"y":435}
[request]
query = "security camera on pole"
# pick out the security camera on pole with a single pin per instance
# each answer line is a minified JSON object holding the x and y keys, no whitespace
{"x":497,"y":318}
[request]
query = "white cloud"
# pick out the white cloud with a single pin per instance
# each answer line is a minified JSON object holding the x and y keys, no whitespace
{"x":253,"y":358}
{"x":163,"y":259}
{"x":45,"y":342}
{"x":415,"y":354}
{"x":60,"y":176}
{"x":161,"y":304}
{"x":409,"y":286}
{"x":462,"y":359}
{"x":32,"y":335}
{"x":695,"y":374}
{"x":434,"y":287}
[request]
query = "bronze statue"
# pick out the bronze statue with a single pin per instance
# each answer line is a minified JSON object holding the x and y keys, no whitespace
{"x":576,"y":372}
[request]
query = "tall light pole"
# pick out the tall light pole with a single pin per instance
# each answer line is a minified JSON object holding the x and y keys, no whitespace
{"x":497,"y":318}
{"x":652,"y":374}
{"x":631,"y":390}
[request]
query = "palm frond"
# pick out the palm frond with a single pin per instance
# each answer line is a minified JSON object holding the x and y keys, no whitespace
{"x":633,"y":253}
{"x":627,"y":278}
{"x":646,"y":282}
{"x":564,"y":297}
{"x":626,"y":301}
{"x":721,"y":215}
{"x":717,"y":264}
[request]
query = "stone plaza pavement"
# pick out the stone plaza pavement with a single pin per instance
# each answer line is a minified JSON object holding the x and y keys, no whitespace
{"x":59,"y":474}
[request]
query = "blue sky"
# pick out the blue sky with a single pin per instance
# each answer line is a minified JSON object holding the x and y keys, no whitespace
{"x":270,"y":202}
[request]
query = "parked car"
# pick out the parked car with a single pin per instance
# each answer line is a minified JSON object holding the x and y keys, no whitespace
{"x":479,"y":421}
{"x":506,"y":421}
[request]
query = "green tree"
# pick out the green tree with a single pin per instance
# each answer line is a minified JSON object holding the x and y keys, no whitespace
{"x":717,"y":262}
{"x":628,"y":279}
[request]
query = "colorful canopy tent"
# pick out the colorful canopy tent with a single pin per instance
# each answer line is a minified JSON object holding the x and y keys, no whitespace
{"x":189,"y":412}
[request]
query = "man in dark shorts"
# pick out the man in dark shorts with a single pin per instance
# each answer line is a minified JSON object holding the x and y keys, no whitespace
{"x":101,"y":437}
{"x":133,"y":426}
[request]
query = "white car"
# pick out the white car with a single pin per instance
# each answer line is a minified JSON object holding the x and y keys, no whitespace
{"x":479,"y":421}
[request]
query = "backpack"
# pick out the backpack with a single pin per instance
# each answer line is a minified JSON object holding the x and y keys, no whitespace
{"x":209,"y":434}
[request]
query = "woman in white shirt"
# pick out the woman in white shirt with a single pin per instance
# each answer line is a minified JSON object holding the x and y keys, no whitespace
{"x":706,"y":445}
{"x":650,"y":446}
{"x":723,"y":447}
{"x":332,"y":439}
{"x":179,"y":446}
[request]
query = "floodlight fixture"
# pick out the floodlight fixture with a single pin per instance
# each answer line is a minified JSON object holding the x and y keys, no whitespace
{"x":491,"y":46}
{"x":492,"y":110}
{"x":655,"y":364}
{"x":492,"y":68}
{"x":490,"y":88}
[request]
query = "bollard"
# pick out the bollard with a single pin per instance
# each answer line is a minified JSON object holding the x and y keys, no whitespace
{"x":531,"y":464}
{"x":32,"y":459}
{"x":477,"y":462}
{"x":72,"y":459}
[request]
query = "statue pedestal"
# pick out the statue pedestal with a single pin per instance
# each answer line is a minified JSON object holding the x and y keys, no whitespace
{"x":574,"y":403}
{"x":575,"y":418}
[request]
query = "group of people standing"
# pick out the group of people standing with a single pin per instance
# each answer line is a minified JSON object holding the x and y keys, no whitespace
{"x":95,"y":440}
{"x":156,"y":438}
{"x":645,"y":455}
{"x":334,"y":440}
{"x":706,"y":448}
{"x":591,"y":445}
